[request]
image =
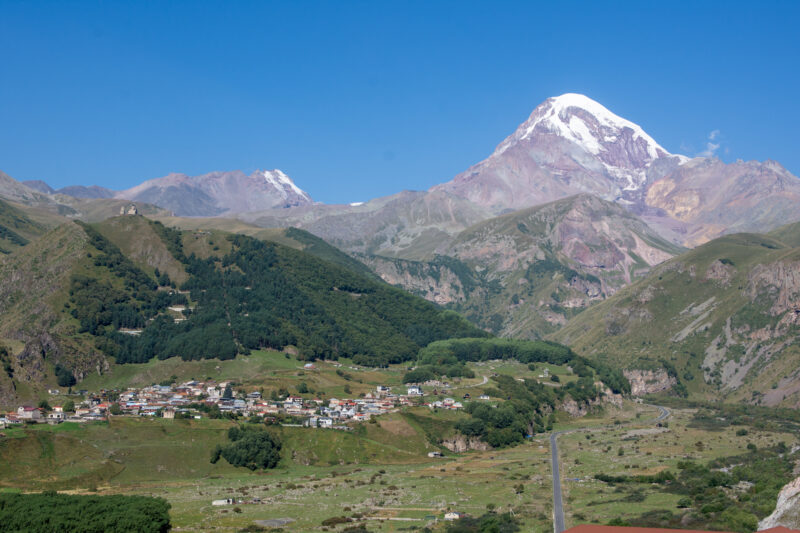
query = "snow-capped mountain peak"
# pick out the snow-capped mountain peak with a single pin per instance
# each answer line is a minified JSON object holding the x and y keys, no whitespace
{"x":283,"y":183}
{"x":569,"y":144}
{"x":590,"y":125}
{"x":576,"y":128}
{"x":572,"y":129}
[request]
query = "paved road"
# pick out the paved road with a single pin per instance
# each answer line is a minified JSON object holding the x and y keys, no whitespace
{"x":558,"y":504}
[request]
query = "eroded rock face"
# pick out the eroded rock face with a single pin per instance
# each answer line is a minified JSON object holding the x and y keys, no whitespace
{"x":649,"y":381}
{"x":720,"y":272}
{"x":781,"y":281}
{"x":462,"y":443}
{"x":32,"y":357}
{"x":787,"y":510}
{"x":435,"y":283}
{"x":577,"y":410}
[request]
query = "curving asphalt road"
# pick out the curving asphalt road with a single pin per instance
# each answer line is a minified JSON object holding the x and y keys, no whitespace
{"x":558,"y":504}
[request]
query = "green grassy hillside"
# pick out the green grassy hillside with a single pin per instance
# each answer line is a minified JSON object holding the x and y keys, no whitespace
{"x":34,"y":325}
{"x":725,"y":315}
{"x":788,"y":234}
{"x":127,"y":451}
{"x":17,"y":228}
{"x":140,"y":240}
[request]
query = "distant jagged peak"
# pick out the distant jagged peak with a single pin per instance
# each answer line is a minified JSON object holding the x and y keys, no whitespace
{"x":590,"y":125}
{"x":219,"y":192}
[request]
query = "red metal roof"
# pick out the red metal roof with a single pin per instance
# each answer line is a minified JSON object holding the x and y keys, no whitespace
{"x":589,"y":528}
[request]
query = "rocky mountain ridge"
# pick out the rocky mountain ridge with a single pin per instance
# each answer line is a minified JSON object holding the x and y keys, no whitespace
{"x":526,"y":273}
{"x":218,"y":193}
{"x":212,"y":194}
{"x":569,"y":145}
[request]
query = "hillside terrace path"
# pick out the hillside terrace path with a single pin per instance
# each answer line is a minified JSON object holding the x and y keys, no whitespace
{"x":558,"y":504}
{"x":472,"y":385}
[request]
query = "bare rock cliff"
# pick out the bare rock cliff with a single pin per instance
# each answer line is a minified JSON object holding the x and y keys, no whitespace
{"x":435,"y":283}
{"x":649,"y":381}
{"x":787,"y":510}
{"x":461,"y":443}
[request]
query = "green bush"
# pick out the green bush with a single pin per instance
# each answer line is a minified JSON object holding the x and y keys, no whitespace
{"x":251,"y":447}
{"x":489,"y":522}
{"x":64,"y":376}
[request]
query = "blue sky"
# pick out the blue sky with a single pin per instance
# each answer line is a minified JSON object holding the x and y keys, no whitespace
{"x":360,"y":99}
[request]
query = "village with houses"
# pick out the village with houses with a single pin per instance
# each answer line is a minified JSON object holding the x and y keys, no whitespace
{"x":199,"y":399}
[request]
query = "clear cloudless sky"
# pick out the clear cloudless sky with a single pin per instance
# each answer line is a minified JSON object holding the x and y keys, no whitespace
{"x":361,"y":99}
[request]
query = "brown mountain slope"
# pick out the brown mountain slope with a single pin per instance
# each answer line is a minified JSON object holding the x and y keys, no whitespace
{"x":524,"y":274}
{"x":711,"y":198}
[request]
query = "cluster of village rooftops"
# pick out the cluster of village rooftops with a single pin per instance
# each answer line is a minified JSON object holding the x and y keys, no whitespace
{"x":196,"y":399}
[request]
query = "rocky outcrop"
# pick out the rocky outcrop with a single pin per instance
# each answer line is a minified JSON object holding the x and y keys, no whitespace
{"x":787,"y":510}
{"x":721,"y":272}
{"x":32,"y":357}
{"x":780,"y":281}
{"x":649,"y":381}
{"x":435,"y":282}
{"x":573,"y":408}
{"x":577,"y":410}
{"x":462,"y":443}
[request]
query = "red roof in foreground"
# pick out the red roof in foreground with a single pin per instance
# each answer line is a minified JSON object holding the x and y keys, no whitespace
{"x":588,"y":528}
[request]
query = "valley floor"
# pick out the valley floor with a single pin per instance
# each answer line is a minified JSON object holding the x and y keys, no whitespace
{"x":382,"y":477}
{"x":380,"y":473}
